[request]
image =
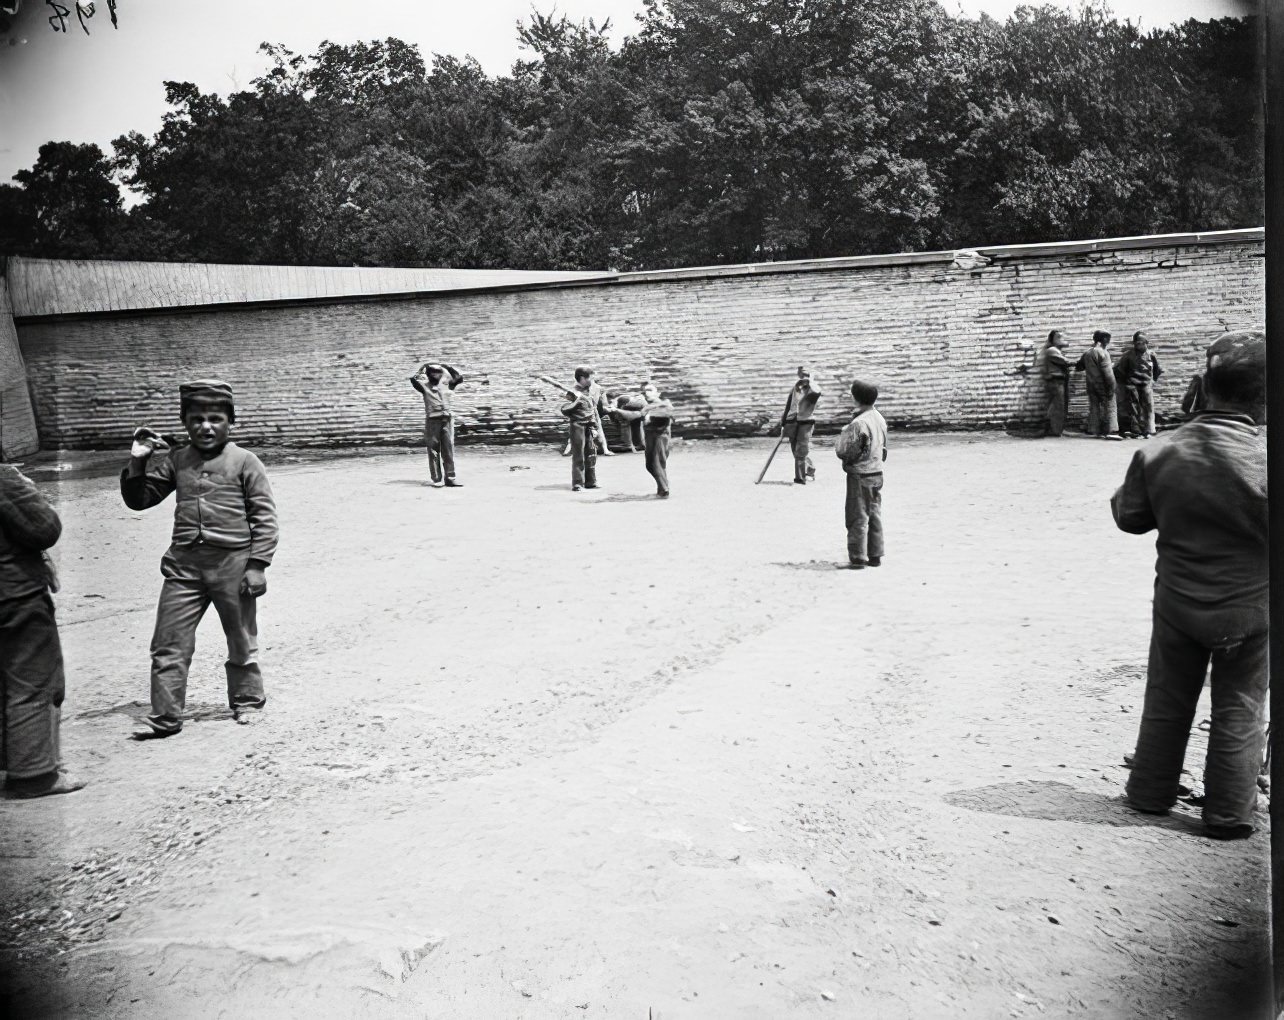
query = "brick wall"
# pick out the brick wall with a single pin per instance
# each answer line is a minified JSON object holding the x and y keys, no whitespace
{"x":949,"y":347}
{"x":18,"y":436}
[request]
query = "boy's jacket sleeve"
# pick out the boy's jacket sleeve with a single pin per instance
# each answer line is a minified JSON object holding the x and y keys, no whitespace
{"x":260,"y":510}
{"x":1131,"y":502}
{"x":148,"y":489}
{"x":26,"y":517}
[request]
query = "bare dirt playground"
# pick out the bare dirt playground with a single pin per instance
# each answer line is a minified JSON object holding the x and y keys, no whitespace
{"x":530,"y":753}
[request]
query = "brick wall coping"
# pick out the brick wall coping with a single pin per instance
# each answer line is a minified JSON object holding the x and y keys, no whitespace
{"x":992,"y":252}
{"x":43,"y":289}
{"x":47,"y":289}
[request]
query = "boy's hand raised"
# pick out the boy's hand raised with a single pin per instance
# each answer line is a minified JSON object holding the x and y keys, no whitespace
{"x":146,"y":442}
{"x":254,"y":583}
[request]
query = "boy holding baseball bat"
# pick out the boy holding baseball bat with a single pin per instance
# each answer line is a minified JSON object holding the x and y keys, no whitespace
{"x":582,"y":413}
{"x":797,"y":422}
{"x":225,"y":533}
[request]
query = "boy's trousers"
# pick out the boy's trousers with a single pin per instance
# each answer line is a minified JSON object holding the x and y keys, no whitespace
{"x":195,"y":576}
{"x":1123,"y":409}
{"x":1183,"y":641}
{"x":1103,"y":416}
{"x":864,"y":517}
{"x":799,"y":433}
{"x":1141,"y":409}
{"x":657,"y":458}
{"x":32,"y":684}
{"x":440,"y":434}
{"x":1058,"y":405}
{"x":583,"y":454}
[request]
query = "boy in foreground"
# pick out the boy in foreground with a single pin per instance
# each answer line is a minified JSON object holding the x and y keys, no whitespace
{"x":1203,"y":487}
{"x":225,"y":534}
{"x":31,"y":670}
{"x":862,"y":449}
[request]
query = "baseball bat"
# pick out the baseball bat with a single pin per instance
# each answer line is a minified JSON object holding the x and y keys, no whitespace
{"x":763,"y":473}
{"x":556,"y":384}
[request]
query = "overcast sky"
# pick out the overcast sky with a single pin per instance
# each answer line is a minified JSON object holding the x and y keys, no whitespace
{"x":95,"y":87}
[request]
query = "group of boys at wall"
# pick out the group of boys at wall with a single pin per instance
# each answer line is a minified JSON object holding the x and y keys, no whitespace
{"x":1121,"y":393}
{"x":1202,"y":487}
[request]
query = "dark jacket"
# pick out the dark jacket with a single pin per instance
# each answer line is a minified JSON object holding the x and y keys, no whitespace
{"x":1203,"y":486}
{"x":658,"y":416}
{"x":28,"y":526}
{"x":224,"y":502}
{"x":1134,"y":369}
{"x":581,"y":410}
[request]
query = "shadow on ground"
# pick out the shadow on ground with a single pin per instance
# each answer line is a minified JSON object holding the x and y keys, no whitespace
{"x":1060,"y":802}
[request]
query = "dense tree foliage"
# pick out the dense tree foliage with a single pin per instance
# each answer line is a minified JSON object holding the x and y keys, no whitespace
{"x":721,"y":131}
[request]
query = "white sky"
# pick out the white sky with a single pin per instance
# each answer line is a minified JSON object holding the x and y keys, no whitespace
{"x":93,"y":88}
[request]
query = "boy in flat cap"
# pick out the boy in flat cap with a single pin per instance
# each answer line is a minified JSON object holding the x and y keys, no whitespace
{"x":862,"y":449}
{"x":1203,"y":487}
{"x":797,"y":423}
{"x":439,"y":424}
{"x":1137,"y":372}
{"x":225,"y":533}
{"x":31,"y":671}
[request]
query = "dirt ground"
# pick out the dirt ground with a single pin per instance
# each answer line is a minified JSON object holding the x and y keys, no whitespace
{"x":535,"y":753}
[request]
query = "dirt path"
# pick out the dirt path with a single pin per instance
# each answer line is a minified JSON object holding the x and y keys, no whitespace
{"x":531,"y":753}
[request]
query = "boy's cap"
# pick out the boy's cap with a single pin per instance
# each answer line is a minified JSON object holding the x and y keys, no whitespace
{"x":213,"y":391}
{"x":1244,"y":350}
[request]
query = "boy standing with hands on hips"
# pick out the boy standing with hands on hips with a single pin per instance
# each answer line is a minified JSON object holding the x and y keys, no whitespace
{"x":225,"y":534}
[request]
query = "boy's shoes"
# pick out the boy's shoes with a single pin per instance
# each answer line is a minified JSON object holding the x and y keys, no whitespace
{"x":48,"y":785}
{"x":246,"y":716}
{"x":662,"y":494}
{"x":800,"y":481}
{"x":1145,"y":810}
{"x":851,"y":566}
{"x":149,"y":732}
{"x":1228,"y":831}
{"x":1114,"y":437}
{"x":876,"y":561}
{"x":607,"y":453}
{"x":592,"y":486}
{"x":452,"y":484}
{"x":811,"y":472}
{"x":576,"y":488}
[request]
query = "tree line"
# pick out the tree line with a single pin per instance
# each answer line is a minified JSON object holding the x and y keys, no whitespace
{"x":721,"y":131}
